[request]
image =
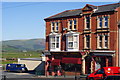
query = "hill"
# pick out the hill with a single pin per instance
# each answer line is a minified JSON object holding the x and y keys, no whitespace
{"x":23,"y":45}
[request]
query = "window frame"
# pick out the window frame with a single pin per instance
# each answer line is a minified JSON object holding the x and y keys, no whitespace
{"x":55,"y":42}
{"x":73,"y":41}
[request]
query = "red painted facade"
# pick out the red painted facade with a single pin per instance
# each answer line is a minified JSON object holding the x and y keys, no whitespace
{"x":105,"y":57}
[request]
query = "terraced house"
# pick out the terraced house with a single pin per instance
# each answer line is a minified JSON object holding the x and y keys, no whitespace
{"x":83,"y":40}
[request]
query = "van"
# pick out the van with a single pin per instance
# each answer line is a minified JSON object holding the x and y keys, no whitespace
{"x":103,"y":72}
{"x":16,"y":67}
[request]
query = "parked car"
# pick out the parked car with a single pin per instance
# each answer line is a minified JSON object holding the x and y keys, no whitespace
{"x":113,"y":77}
{"x":16,"y":67}
{"x":103,"y":72}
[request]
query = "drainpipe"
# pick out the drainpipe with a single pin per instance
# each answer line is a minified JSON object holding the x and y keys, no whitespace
{"x":119,"y":45}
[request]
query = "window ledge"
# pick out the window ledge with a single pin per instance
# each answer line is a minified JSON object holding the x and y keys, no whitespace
{"x":102,"y":49}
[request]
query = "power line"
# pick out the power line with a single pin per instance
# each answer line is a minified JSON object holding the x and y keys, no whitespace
{"x":22,"y":5}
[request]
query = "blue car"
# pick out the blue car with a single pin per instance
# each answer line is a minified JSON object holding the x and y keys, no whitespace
{"x":16,"y":67}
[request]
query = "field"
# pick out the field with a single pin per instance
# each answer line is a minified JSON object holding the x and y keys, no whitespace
{"x":11,"y":57}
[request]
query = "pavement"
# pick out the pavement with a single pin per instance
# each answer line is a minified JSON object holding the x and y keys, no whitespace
{"x":32,"y":76}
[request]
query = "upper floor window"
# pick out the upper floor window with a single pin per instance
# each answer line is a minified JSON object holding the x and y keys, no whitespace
{"x":54,"y":26}
{"x":106,"y":41}
{"x":106,"y":21}
{"x":87,"y":22}
{"x":75,"y":24}
{"x":72,"y":42}
{"x":103,"y":22}
{"x":72,"y":25}
{"x":54,"y":42}
{"x":87,"y":41}
{"x":102,"y":41}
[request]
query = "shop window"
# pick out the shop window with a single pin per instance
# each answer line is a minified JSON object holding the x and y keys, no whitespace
{"x":71,"y":67}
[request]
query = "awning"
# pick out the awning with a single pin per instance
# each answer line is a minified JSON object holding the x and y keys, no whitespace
{"x":72,"y":60}
{"x":55,"y":62}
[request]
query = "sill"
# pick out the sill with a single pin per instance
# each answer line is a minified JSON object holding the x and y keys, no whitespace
{"x":72,"y":30}
{"x":103,"y":28}
{"x":86,"y":29}
{"x":102,"y":49}
{"x":86,"y":48}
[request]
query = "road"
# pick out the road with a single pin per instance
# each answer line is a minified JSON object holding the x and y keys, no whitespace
{"x":30,"y":76}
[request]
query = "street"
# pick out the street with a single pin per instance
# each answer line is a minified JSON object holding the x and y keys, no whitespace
{"x":30,"y":76}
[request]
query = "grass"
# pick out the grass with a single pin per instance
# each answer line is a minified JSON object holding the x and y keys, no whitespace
{"x":9,"y":55}
{"x":21,"y":55}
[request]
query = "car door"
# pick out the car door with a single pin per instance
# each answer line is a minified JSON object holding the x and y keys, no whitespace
{"x":99,"y":74}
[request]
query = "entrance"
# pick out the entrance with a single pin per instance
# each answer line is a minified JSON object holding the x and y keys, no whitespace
{"x":88,"y":60}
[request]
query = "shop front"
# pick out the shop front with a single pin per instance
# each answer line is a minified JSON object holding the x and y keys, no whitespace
{"x":60,"y":64}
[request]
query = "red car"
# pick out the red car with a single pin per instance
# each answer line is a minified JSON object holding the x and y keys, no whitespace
{"x":103,"y":72}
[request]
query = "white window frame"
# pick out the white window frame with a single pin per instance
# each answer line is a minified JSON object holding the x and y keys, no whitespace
{"x":73,"y":48}
{"x":102,"y":42}
{"x":55,"y":26}
{"x":106,"y":21}
{"x":55,"y":42}
{"x":85,"y":42}
{"x":74,"y":25}
{"x":100,"y":22}
{"x":52,"y":26}
{"x":85,"y":20}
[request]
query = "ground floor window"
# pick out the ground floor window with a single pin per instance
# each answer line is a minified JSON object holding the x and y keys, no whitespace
{"x":71,"y":67}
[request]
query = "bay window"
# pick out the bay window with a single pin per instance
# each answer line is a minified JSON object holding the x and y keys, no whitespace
{"x":54,"y":42}
{"x":72,"y":42}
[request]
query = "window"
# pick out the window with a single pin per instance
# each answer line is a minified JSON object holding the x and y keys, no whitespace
{"x":87,"y":22}
{"x":100,"y":22}
{"x":75,"y":24}
{"x":102,"y":41}
{"x":55,"y":42}
{"x":106,"y":21}
{"x":54,"y":26}
{"x":106,"y":41}
{"x":103,"y":22}
{"x":72,"y":25}
{"x":87,"y":41}
{"x":72,"y":42}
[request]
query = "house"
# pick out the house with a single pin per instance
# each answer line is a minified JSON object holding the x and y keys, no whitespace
{"x":83,"y":40}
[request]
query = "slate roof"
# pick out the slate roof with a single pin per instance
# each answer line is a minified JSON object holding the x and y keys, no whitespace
{"x":77,"y":12}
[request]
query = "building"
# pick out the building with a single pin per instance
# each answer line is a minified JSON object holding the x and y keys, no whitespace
{"x":82,"y":40}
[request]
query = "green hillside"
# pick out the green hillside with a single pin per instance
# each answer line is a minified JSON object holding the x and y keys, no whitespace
{"x":23,"y":45}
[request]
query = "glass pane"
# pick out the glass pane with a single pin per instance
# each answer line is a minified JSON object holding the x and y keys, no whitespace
{"x":70,"y":44}
{"x":70,"y":24}
{"x":57,"y":39}
{"x":75,"y":45}
{"x":75,"y":38}
{"x":56,"y":25}
{"x":70,"y":38}
{"x":57,"y":45}
{"x":53,"y":45}
{"x":53,"y":39}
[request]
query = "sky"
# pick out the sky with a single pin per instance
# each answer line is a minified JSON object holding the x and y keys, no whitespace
{"x":25,"y":20}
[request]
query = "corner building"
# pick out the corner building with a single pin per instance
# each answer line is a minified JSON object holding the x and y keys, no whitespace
{"x":82,"y":40}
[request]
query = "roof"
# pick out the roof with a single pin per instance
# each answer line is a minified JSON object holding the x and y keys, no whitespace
{"x":77,"y":12}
